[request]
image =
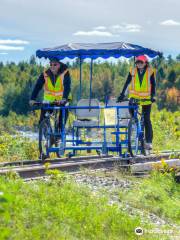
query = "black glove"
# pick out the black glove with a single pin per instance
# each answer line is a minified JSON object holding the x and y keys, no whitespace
{"x":153,"y":99}
{"x":63,"y":102}
{"x":120,"y":98}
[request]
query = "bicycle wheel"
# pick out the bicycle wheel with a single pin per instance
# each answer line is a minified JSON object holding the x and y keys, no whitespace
{"x":57,"y":138}
{"x":133,"y":137}
{"x":44,"y":138}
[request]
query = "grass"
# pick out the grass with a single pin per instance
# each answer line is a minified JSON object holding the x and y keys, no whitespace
{"x":166,"y":127}
{"x":159,"y":194}
{"x":60,"y":209}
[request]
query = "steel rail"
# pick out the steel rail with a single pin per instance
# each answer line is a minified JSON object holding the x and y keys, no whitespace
{"x":76,"y":164}
{"x":161,"y":154}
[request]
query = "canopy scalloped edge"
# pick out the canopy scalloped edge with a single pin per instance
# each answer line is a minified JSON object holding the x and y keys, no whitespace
{"x":96,"y":50}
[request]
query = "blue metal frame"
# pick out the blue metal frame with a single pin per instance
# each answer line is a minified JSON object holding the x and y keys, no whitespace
{"x":104,"y":146}
{"x":140,"y":127}
{"x":80,"y":77}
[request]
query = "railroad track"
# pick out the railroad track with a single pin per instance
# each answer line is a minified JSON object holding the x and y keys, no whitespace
{"x":34,"y":169}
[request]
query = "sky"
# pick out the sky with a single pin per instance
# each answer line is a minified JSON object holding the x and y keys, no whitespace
{"x":28,"y":25}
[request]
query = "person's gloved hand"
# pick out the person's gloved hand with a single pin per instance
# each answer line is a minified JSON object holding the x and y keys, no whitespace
{"x":153,"y":99}
{"x":62,"y":102}
{"x":120,"y":98}
{"x":32,"y":102}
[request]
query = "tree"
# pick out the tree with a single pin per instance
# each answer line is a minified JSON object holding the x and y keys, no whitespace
{"x":172,"y":76}
{"x":32,"y":60}
{"x":170,"y":60}
{"x":178,"y":57}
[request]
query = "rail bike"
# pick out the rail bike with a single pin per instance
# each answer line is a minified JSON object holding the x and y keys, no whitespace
{"x":96,"y":127}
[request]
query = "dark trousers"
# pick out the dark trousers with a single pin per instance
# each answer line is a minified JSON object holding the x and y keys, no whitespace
{"x":146,"y":111}
{"x":43,"y":112}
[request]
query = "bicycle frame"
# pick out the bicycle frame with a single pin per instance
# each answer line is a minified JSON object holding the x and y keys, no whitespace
{"x":139,"y":119}
{"x":119,"y":145}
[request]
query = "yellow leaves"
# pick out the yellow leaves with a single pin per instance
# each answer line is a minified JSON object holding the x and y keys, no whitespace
{"x":163,"y":163}
{"x":74,"y":73}
{"x":47,"y":165}
{"x":171,"y":169}
{"x":173,"y":94}
{"x":164,"y":168}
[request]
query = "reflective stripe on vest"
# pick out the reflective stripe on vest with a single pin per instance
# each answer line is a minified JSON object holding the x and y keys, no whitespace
{"x":143,"y":90}
{"x":51,"y":92}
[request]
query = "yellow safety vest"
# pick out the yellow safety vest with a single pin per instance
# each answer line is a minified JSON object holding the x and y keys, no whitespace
{"x":53,"y":93}
{"x":143,"y":90}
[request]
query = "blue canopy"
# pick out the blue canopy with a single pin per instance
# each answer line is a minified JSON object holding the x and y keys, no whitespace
{"x":95,"y":50}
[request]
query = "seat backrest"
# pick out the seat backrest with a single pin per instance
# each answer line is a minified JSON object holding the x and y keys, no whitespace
{"x":88,"y":113}
{"x":123,"y":112}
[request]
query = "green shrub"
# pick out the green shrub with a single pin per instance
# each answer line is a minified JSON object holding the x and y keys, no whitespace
{"x":14,"y":148}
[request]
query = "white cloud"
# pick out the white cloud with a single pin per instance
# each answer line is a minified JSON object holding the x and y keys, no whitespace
{"x":126,"y":27}
{"x":93,"y":33}
{"x":112,"y":31}
{"x":11,"y":48}
{"x":14,"y":42}
{"x":8,"y":45}
{"x":170,"y":22}
{"x":100,"y":28}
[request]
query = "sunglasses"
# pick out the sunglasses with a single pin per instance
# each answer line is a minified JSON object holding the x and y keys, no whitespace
{"x":54,"y":64}
{"x":139,"y":62}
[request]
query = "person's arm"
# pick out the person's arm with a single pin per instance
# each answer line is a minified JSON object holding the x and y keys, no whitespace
{"x":67,"y":85}
{"x":153,"y":85}
{"x":122,"y":94}
{"x":38,"y":86}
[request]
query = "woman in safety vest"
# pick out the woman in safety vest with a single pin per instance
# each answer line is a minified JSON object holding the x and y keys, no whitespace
{"x":57,"y":86}
{"x":141,"y":82}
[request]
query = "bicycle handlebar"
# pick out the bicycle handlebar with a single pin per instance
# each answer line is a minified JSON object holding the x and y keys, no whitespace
{"x":38,"y":105}
{"x":55,"y":103}
{"x":137,"y":101}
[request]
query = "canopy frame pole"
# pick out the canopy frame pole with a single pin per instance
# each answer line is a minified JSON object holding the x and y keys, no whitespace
{"x":80,"y":78}
{"x":90,"y":86}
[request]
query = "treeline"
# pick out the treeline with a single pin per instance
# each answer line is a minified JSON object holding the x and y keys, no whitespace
{"x":17,"y":82}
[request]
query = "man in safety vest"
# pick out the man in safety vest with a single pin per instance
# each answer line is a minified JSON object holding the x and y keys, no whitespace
{"x":57,"y":86}
{"x":141,"y":82}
